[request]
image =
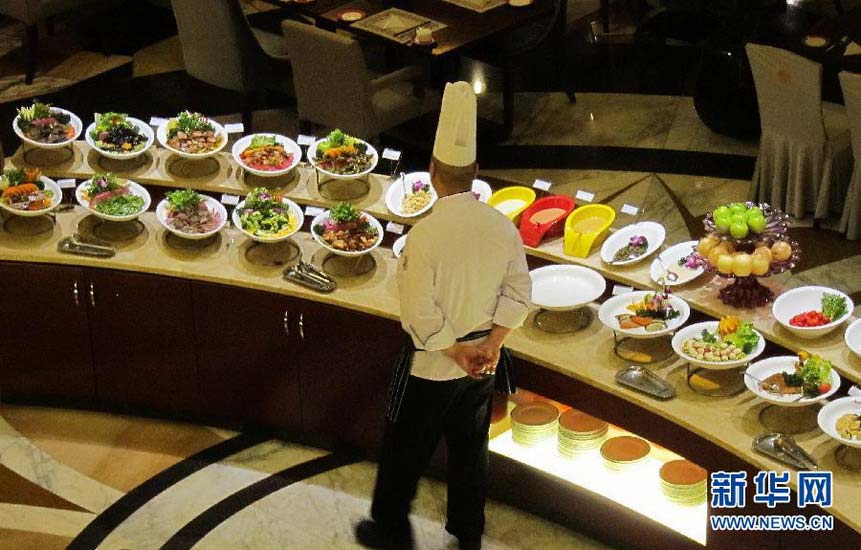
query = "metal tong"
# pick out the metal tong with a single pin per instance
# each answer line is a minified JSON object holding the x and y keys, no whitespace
{"x":311,"y":276}
{"x":77,"y":244}
{"x":783,"y":447}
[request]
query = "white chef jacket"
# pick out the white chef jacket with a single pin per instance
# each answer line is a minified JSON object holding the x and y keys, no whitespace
{"x":463,"y":269}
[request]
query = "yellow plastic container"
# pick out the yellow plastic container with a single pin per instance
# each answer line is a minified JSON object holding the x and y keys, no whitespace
{"x":585,"y":227}
{"x":512,"y":201}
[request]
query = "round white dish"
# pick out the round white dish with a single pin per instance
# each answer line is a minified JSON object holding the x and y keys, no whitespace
{"x":55,"y":201}
{"x":395,"y":194}
{"x":617,"y":305}
{"x":373,"y":221}
{"x":134,"y":188}
{"x":852,"y":337}
{"x":654,"y":233}
{"x":807,"y":298}
{"x":398,"y":246}
{"x":161,"y":213}
{"x":141,"y":125}
{"x":312,"y":151}
{"x":670,"y":258}
{"x":289,"y":145}
{"x":161,"y":133}
{"x":295,"y":212}
{"x":74,"y":120}
{"x":695,"y":331}
{"x":482,"y":189}
{"x":829,"y":414}
{"x":565,"y":287}
{"x":773,"y":365}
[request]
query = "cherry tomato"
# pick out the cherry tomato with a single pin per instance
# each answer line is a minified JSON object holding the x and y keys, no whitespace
{"x":824,"y":388}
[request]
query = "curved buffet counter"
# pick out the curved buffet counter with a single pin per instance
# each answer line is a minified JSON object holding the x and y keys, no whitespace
{"x":575,"y":369}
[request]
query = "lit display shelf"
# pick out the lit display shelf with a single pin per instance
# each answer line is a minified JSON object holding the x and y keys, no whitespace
{"x":637,"y":487}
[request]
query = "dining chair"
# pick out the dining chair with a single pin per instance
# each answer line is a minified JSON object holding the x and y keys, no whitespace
{"x":31,"y":13}
{"x":850,"y":221}
{"x":805,"y":155}
{"x":220,"y":48}
{"x":335,"y":89}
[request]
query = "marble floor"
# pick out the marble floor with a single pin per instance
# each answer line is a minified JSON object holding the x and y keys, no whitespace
{"x":84,"y":480}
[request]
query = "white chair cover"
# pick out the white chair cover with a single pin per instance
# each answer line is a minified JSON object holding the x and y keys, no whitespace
{"x":850,"y":222}
{"x":804,"y":161}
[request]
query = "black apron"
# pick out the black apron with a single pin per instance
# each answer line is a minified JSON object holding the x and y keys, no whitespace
{"x":504,"y":382}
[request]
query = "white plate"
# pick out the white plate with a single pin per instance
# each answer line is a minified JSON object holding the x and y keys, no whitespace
{"x":161,"y":214}
{"x":564,"y":287}
{"x":482,"y":189}
{"x":289,"y":145}
{"x":312,"y":151}
{"x":73,"y":120}
{"x":670,"y":258}
{"x":829,"y":414}
{"x":695,"y":331}
{"x":161,"y":133}
{"x":141,"y":125}
{"x":654,"y":233}
{"x":134,"y":188}
{"x":395,"y":194}
{"x":852,"y":337}
{"x":617,"y":305}
{"x":773,"y":365}
{"x":398,"y":246}
{"x":295,"y":212}
{"x":325,"y":215}
{"x":807,"y":298}
{"x":55,"y":201}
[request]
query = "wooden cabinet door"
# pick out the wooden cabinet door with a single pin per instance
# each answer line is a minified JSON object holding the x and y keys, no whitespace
{"x":44,"y":337}
{"x":246,"y":347}
{"x":142,"y":333}
{"x":346,"y":364}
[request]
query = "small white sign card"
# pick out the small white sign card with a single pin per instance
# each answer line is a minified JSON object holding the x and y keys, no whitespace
{"x":305,"y":140}
{"x":584,"y":196}
{"x":229,"y":200}
{"x":544,"y":185}
{"x":396,"y":228}
{"x":629,"y":209}
{"x":313,"y":211}
{"x":234,"y":128}
{"x":621,"y":289}
{"x":66,"y":183}
{"x":157,"y":121}
{"x":391,"y":154}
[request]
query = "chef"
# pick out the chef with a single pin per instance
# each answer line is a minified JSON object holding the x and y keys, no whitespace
{"x":464,"y":286}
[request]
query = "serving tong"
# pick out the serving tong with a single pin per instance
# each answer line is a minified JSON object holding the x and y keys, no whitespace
{"x":85,"y":246}
{"x":310,"y":276}
{"x":785,"y":449}
{"x":646,"y":381}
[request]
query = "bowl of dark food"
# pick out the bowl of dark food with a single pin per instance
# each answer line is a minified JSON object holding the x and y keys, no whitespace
{"x":267,"y":217}
{"x":346,"y":231}
{"x":190,"y":215}
{"x":267,"y":155}
{"x":340,"y":156}
{"x":26,"y":192}
{"x":113,"y":199}
{"x":192,"y":135}
{"x":119,"y":136}
{"x":45,"y":126}
{"x":793,"y":380}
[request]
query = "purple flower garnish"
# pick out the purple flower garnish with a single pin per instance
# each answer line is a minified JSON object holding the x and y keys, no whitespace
{"x":637,"y":240}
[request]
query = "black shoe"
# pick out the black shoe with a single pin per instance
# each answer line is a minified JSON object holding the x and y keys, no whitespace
{"x":370,"y":535}
{"x":469,"y":543}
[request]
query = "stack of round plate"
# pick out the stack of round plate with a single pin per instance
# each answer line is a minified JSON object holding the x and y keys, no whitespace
{"x":579,"y":432}
{"x":532,"y":423}
{"x":624,"y":452}
{"x":684,"y":482}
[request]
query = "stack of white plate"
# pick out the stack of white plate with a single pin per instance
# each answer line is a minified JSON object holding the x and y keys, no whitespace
{"x":532,"y":423}
{"x":580,"y":432}
{"x":683,"y":482}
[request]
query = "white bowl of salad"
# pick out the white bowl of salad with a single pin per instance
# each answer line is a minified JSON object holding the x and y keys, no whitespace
{"x":47,"y":127}
{"x":26,"y":192}
{"x":119,"y":136}
{"x":793,"y":380}
{"x":267,"y":155}
{"x":190,"y":215}
{"x":340,"y":156}
{"x":267,"y":217}
{"x":711,"y":347}
{"x":192,"y":135}
{"x":110,"y":198}
{"x":411,"y":196}
{"x":644,"y":314}
{"x":812,"y":311}
{"x":346,"y":231}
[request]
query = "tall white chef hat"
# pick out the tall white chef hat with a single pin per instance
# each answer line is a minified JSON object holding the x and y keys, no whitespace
{"x":455,"y":133}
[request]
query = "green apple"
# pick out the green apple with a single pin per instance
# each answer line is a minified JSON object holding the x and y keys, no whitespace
{"x":738,"y":229}
{"x":755,"y":211}
{"x":722,"y":224}
{"x":738,"y":218}
{"x":756,"y":223}
{"x":738,"y":208}
{"x":721,"y":211}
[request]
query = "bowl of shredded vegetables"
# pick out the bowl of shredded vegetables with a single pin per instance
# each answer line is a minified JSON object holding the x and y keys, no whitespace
{"x":267,"y":217}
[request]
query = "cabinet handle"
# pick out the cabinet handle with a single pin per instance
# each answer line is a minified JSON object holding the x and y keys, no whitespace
{"x":287,"y":322}
{"x":92,"y":295}
{"x":302,"y":326}
{"x":76,"y":296}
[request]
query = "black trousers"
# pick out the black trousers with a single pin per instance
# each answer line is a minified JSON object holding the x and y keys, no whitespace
{"x":458,"y":410}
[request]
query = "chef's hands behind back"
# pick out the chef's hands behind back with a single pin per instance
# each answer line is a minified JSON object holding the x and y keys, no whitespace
{"x":473,"y":360}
